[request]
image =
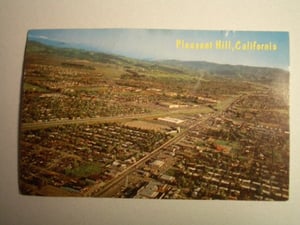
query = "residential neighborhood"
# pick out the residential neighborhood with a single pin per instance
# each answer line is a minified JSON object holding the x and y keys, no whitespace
{"x":99,"y":125}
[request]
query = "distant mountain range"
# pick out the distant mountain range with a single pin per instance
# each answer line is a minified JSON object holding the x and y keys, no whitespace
{"x":230,"y":71}
{"x":61,"y":44}
{"x":241,"y":72}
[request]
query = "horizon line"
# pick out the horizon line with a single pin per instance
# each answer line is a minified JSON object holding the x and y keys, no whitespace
{"x":42,"y":40}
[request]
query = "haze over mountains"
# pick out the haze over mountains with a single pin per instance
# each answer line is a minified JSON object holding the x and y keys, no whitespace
{"x":232,"y":71}
{"x":241,"y":72}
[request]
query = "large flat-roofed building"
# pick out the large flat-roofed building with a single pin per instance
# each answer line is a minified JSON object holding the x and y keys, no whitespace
{"x":157,"y":163}
{"x":149,"y":191}
{"x":171,"y":120}
{"x":172,"y":105}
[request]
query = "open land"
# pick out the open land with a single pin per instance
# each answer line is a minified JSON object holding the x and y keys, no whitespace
{"x":101,"y":125}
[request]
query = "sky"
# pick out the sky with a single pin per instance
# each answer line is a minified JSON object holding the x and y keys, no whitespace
{"x":161,"y":44}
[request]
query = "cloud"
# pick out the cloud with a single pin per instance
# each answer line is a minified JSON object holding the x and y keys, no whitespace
{"x":229,"y":33}
{"x":43,"y":37}
{"x":38,"y":36}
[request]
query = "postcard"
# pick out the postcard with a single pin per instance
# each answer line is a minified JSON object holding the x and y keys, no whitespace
{"x":155,"y":114}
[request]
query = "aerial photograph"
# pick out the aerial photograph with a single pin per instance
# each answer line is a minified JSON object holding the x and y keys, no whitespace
{"x":155,"y":114}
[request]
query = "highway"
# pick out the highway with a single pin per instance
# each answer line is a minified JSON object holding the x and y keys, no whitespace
{"x":53,"y":123}
{"x":98,"y":190}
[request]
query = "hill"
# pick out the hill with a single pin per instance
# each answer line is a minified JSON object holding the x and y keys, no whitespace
{"x":176,"y":67}
{"x":249,"y":73}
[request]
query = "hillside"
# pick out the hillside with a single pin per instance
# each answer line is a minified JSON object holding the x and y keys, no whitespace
{"x":249,"y":73}
{"x":205,"y":69}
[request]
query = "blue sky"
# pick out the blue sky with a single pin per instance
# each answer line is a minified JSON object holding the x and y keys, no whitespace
{"x":161,"y":44}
